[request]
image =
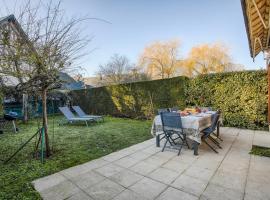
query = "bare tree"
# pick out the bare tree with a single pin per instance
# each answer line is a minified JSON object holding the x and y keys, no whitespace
{"x":161,"y":59}
{"x":119,"y":70}
{"x":43,"y":45}
{"x":209,"y":58}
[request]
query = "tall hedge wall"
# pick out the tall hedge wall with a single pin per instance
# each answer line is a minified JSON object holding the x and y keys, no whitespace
{"x":242,"y":97}
{"x":135,"y":100}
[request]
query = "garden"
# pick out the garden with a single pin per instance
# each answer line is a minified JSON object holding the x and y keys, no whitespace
{"x":129,"y":109}
{"x":71,"y":145}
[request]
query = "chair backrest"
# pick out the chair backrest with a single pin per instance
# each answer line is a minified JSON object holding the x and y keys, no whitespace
{"x":67,"y":113}
{"x":79,"y":111}
{"x":171,"y":120}
{"x":215,"y":119}
{"x":206,"y":108}
{"x":162,"y":110}
{"x":174,"y":109}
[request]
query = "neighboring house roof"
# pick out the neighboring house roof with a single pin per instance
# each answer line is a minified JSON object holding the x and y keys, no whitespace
{"x":257,"y":16}
{"x":16,"y":27}
{"x":91,"y":81}
{"x":9,"y":80}
{"x":68,"y":82}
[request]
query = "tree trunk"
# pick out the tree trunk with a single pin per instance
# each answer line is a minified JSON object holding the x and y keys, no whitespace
{"x":45,"y":121}
{"x":25,"y":108}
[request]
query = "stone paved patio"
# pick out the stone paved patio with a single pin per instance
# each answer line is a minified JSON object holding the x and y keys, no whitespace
{"x":142,"y":172}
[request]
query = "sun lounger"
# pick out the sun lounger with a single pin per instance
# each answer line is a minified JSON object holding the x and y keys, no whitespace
{"x":82,"y":114}
{"x":71,"y":118}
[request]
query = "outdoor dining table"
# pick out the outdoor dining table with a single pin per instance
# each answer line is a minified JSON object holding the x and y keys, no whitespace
{"x":192,"y":126}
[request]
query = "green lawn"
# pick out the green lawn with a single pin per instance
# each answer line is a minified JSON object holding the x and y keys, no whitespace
{"x":72,"y":145}
{"x":260,"y":151}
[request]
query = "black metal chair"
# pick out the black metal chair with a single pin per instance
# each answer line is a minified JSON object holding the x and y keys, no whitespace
{"x":158,"y":137}
{"x":210,"y":130}
{"x":217,"y":132}
{"x":162,"y":110}
{"x":173,"y":130}
{"x":174,"y":109}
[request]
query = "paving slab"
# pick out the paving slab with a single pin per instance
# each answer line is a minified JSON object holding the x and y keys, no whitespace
{"x":48,"y":181}
{"x":126,"y":162}
{"x":80,"y":196}
{"x":176,"y":166}
{"x":262,"y":138}
{"x":167,"y":154}
{"x":126,"y":178}
{"x":164,"y":175}
{"x":148,"y":188}
{"x":140,"y":155}
{"x":258,"y":190}
{"x":87,"y":179}
{"x":259,"y":163}
{"x":84,"y":168}
{"x":129,"y":195}
{"x":156,"y":160}
{"x":104,"y":190}
{"x":114,"y":156}
{"x":144,"y":168}
{"x":173,"y":194}
{"x":190,"y":185}
{"x":109,"y":170}
{"x":151,"y":150}
{"x":60,"y":191}
{"x":199,"y":172}
{"x":216,"y":192}
{"x":230,"y":179}
{"x":206,"y":163}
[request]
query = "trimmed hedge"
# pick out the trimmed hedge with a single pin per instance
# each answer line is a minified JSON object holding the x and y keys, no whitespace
{"x":135,"y":100}
{"x":242,"y":97}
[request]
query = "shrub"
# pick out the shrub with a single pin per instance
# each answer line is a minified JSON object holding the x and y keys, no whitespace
{"x":135,"y":100}
{"x":242,"y":97}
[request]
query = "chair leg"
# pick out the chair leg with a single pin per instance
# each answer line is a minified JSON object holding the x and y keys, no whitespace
{"x":179,"y":150}
{"x":164,"y":145}
{"x":218,"y":137}
{"x":215,"y":142}
{"x":185,"y":139}
{"x":210,"y":146}
{"x":158,"y":140}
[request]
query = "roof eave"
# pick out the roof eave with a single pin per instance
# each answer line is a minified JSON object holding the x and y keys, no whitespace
{"x":243,"y":3}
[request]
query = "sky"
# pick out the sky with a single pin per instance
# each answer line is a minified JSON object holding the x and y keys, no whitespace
{"x":136,"y":23}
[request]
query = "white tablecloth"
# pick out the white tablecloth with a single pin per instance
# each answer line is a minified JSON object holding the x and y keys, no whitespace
{"x":192,"y":125}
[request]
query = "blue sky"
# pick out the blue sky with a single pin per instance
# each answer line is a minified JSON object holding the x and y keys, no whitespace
{"x":136,"y":23}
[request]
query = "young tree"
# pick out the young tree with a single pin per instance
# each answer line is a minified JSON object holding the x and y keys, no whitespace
{"x":161,"y":59}
{"x":49,"y":42}
{"x":209,"y":58}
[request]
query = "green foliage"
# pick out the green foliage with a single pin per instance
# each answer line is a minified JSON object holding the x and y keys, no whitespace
{"x":72,"y":145}
{"x":135,"y":100}
{"x":242,"y":97}
{"x":260,"y":151}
